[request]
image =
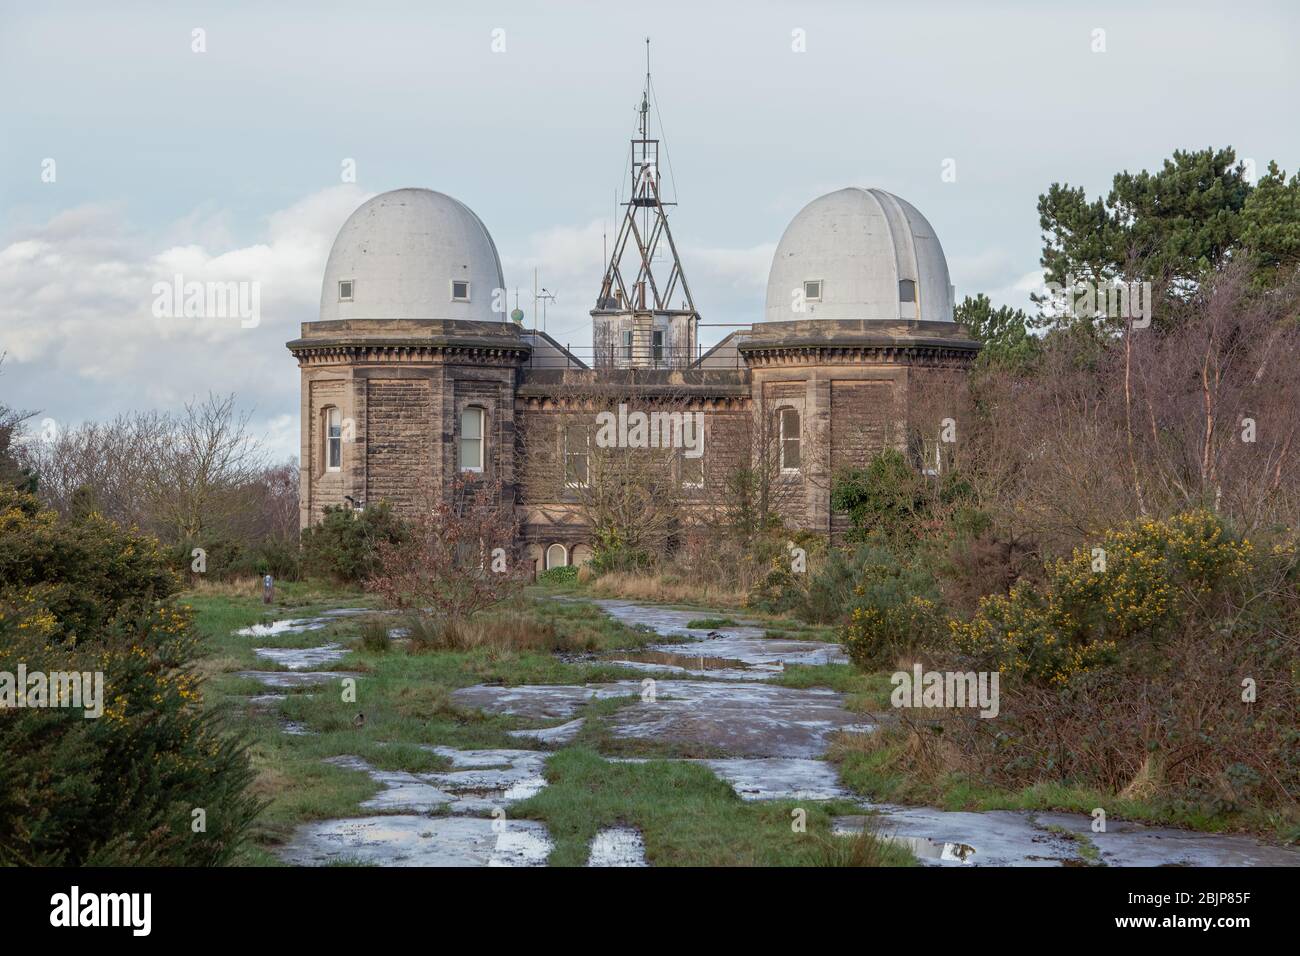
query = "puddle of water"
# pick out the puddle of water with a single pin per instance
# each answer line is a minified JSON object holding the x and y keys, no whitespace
{"x":659,"y":661}
{"x":776,"y":778}
{"x":408,"y":840}
{"x":741,"y":645}
{"x":993,"y":838}
{"x":302,"y":658}
{"x":617,"y":846}
{"x":289,"y":679}
{"x":275,"y":628}
{"x":299,"y":625}
{"x":923,"y":848}
{"x":484,"y":781}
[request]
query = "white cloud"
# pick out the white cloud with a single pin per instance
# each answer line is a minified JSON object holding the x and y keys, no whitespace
{"x":80,"y":333}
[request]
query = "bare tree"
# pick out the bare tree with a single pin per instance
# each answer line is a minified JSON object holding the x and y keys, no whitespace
{"x":199,"y":473}
{"x":459,"y":557}
{"x":1202,"y":409}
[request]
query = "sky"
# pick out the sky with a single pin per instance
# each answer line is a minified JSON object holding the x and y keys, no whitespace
{"x":128,"y":155}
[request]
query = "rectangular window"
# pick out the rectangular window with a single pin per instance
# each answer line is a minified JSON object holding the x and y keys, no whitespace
{"x":812,"y":290}
{"x":333,"y":439}
{"x":627,"y":346}
{"x":471,"y":439}
{"x":906,"y":290}
{"x":931,"y":457}
{"x":345,"y":290}
{"x":576,"y":456}
{"x":789,"y":439}
{"x":692,"y":469}
{"x":459,"y":290}
{"x":658,"y":345}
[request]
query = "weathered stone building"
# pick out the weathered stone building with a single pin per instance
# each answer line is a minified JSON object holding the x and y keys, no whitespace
{"x":414,"y":374}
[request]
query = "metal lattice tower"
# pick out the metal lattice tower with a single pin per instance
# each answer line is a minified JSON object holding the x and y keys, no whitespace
{"x":635,"y":323}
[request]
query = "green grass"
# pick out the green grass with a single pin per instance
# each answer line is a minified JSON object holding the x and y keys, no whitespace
{"x":405,"y":697}
{"x":865,"y":693}
{"x":687,"y":817}
{"x":881,"y":775}
{"x":1087,"y":849}
{"x":710,"y":623}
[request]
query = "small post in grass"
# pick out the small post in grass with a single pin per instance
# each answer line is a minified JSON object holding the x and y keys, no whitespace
{"x":268,"y":589}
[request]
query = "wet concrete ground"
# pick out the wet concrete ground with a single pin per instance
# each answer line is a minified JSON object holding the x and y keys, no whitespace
{"x":617,"y":846}
{"x":409,"y":840}
{"x":774,"y":733}
{"x":1014,"y":838}
{"x":748,"y":720}
{"x":739,"y":644}
{"x":479,"y":783}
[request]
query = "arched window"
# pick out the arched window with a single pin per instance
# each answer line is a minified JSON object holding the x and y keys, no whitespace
{"x":333,"y":438}
{"x":906,"y":290}
{"x":789,"y":439}
{"x":471,"y":438}
{"x":556,"y":556}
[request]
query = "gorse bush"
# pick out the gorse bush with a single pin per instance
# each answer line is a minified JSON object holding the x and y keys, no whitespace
{"x":878,"y":636}
{"x":894,"y":610}
{"x":119,"y":789}
{"x":83,"y":573}
{"x":1142,"y":581}
{"x":1164,"y":664}
{"x":344,"y":545}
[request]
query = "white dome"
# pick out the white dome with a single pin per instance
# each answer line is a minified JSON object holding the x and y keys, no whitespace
{"x":859,"y":244}
{"x":401,"y":251}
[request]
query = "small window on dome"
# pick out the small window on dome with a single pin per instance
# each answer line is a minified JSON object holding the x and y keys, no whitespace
{"x":459,"y":290}
{"x":906,"y":290}
{"x":345,"y":290}
{"x":812,"y":290}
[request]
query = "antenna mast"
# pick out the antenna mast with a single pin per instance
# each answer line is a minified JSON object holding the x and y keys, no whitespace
{"x":645,"y":305}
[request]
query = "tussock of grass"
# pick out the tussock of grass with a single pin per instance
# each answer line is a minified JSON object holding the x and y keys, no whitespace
{"x":866,"y":693}
{"x":664,"y":589}
{"x":710,"y":623}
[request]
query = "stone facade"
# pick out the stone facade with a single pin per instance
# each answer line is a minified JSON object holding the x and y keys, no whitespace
{"x":396,"y":390}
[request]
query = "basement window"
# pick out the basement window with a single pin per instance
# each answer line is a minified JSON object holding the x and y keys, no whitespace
{"x":459,"y":290}
{"x":812,"y":290}
{"x":345,"y":290}
{"x":906,"y":290}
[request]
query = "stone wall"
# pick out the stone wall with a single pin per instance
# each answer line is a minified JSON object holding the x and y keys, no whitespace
{"x":403,"y":386}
